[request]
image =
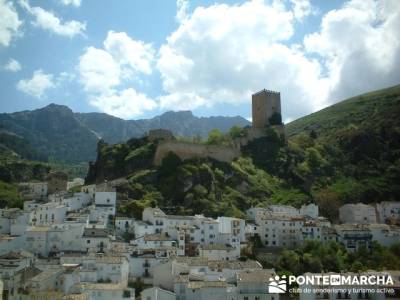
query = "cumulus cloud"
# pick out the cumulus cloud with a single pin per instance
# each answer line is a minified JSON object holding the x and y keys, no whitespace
{"x":49,"y":21}
{"x":12,"y":65}
{"x":98,"y":70}
{"x":136,"y":55}
{"x":9,"y":23}
{"x":75,"y":3}
{"x":105,"y":73}
{"x":37,"y":85}
{"x":359,"y":46}
{"x":223,"y":53}
{"x":124,"y":104}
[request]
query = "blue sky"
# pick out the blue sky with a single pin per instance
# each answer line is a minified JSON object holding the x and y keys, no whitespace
{"x":137,"y":59}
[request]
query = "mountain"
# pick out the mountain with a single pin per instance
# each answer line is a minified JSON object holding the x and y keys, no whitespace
{"x":56,"y":133}
{"x":346,"y":153}
{"x":182,"y":123}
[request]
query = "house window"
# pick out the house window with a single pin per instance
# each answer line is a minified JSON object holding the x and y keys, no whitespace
{"x":88,"y":241}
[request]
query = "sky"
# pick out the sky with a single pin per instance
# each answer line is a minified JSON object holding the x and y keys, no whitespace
{"x":137,"y":59}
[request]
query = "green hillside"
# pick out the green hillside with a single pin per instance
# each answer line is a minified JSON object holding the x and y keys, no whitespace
{"x":349,"y":152}
{"x":363,"y":110}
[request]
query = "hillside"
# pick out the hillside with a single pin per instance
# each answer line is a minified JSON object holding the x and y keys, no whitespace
{"x":363,"y":110}
{"x":53,"y":132}
{"x":349,"y":152}
{"x":56,"y":133}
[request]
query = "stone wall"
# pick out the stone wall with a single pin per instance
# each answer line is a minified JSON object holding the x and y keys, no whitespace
{"x":189,"y":150}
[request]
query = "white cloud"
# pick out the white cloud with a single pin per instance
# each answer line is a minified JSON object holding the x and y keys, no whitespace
{"x":106,"y":73}
{"x":182,"y":10}
{"x":222,"y":54}
{"x":302,"y":9}
{"x":9,"y":23}
{"x":124,"y":104}
{"x":136,"y":55}
{"x":12,"y":65}
{"x":49,"y":21}
{"x":75,"y":3}
{"x":359,"y":45}
{"x":98,"y":70}
{"x":37,"y":85}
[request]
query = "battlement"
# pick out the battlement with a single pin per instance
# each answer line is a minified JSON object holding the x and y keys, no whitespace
{"x":266,"y":92}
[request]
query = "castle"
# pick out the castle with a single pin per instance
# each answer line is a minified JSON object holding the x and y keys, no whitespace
{"x":266,"y":111}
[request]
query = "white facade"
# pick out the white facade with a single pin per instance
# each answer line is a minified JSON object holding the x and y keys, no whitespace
{"x":156,"y":293}
{"x":100,"y":268}
{"x":384,"y":234}
{"x":219,"y":252}
{"x":142,"y":228}
{"x":357,"y":214}
{"x":107,"y":291}
{"x":276,"y":230}
{"x":124,"y":224}
{"x":309,"y":210}
{"x":48,"y":213}
{"x":11,"y":243}
{"x":106,"y":198}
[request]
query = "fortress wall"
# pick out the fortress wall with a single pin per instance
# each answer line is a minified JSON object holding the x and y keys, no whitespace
{"x":188,"y":151}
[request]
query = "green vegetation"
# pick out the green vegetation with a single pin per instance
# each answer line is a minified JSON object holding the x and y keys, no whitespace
{"x":9,"y":196}
{"x":314,"y":256}
{"x":346,"y":153}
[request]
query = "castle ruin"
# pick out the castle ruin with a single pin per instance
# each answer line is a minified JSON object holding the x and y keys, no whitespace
{"x":265,"y":105}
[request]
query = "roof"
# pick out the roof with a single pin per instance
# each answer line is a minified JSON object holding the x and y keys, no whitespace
{"x":157,"y":237}
{"x":216,"y":247}
{"x":75,"y":297}
{"x":13,"y":255}
{"x":47,"y":274}
{"x":192,"y":261}
{"x":234,"y":264}
{"x":102,"y":286}
{"x":255,"y":276}
{"x":202,"y":284}
{"x":39,"y":229}
{"x":179,"y":217}
{"x":125,"y":218}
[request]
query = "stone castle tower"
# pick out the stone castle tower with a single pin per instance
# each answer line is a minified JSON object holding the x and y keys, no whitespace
{"x":265,"y":103}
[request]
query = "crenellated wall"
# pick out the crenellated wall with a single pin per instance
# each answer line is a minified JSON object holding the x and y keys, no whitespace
{"x":189,"y":150}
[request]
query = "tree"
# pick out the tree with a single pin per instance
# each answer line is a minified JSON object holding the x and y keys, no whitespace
{"x":215,"y":137}
{"x":236,"y":132}
{"x":275,"y":119}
